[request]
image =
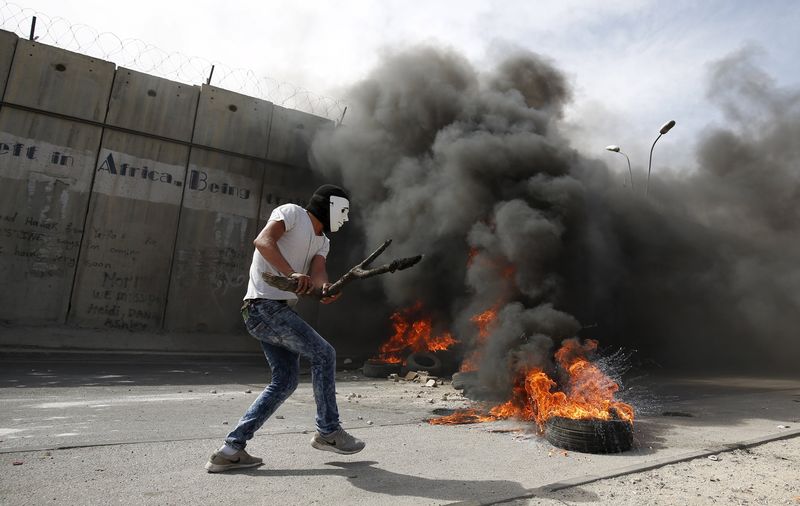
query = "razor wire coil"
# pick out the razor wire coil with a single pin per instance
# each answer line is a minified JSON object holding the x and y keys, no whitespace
{"x":141,"y":56}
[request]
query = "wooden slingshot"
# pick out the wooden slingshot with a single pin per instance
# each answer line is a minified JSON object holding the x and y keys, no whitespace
{"x":360,"y":271}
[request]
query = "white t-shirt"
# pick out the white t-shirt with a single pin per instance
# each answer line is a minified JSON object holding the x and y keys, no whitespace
{"x":298,"y":245}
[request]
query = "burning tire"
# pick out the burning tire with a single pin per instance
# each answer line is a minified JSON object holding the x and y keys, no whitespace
{"x":589,"y":436}
{"x":424,"y":361}
{"x":462,"y":380}
{"x":374,"y":368}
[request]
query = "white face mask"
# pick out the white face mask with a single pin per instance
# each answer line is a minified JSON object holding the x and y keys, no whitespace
{"x":340,"y":208}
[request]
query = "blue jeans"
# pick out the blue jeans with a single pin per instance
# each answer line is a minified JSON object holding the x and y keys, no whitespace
{"x":285,"y":337}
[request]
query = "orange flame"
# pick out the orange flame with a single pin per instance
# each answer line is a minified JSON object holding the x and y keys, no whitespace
{"x":462,"y":416}
{"x":412,"y":336}
{"x":471,"y":255}
{"x":588,"y":394}
{"x":484,"y":322}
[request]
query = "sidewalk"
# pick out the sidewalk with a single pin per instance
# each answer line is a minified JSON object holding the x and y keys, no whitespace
{"x":138,"y":430}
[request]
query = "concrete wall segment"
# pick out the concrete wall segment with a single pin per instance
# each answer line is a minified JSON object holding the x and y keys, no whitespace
{"x":59,"y":81}
{"x":123,"y":274}
{"x":283,"y":185}
{"x":232,"y":122}
{"x":152,"y":105}
{"x":46,"y":169}
{"x":8,"y":43}
{"x":143,"y":237}
{"x":291,"y":135}
{"x":223,"y":183}
{"x":215,"y":243}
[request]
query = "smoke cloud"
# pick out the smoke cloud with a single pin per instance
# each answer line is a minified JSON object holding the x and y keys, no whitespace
{"x":470,"y":168}
{"x":706,"y":268}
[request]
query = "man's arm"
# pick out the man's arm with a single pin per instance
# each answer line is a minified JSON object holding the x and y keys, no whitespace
{"x":267,"y":245}
{"x":319,"y":273}
{"x":319,"y":276}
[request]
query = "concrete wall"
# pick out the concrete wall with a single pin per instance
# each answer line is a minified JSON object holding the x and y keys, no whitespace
{"x":123,"y":274}
{"x":46,"y":166}
{"x":291,"y":135}
{"x":129,"y":203}
{"x":58,"y":81}
{"x":215,"y":243}
{"x":8,"y":43}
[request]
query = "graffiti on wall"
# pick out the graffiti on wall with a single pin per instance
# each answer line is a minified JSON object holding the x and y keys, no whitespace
{"x":111,"y":226}
{"x":43,"y":195}
{"x":124,"y":267}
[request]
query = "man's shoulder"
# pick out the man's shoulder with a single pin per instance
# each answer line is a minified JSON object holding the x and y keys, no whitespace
{"x":289,"y":211}
{"x":290,"y":208}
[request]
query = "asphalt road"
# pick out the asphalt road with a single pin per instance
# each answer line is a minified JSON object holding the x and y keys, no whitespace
{"x":137,"y":429}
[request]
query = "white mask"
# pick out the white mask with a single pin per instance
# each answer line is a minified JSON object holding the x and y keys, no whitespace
{"x":340,"y":208}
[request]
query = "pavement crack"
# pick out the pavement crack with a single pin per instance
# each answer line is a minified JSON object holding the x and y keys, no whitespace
{"x":546,"y":491}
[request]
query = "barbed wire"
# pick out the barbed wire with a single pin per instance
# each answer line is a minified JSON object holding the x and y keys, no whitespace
{"x":139,"y":55}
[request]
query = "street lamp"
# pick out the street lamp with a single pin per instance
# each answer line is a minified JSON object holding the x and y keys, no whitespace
{"x":616,"y":149}
{"x":664,"y":129}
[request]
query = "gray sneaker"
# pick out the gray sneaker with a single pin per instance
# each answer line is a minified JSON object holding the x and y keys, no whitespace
{"x":218,"y":462}
{"x":337,"y":441}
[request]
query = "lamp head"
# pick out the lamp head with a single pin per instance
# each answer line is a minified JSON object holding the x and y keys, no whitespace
{"x":613,"y":148}
{"x":667,"y":127}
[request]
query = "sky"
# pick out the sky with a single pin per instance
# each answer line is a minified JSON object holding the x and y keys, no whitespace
{"x":633,"y":64}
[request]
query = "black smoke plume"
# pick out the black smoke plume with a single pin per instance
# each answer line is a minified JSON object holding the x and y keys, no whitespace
{"x":705,"y":272}
{"x":471,"y":169}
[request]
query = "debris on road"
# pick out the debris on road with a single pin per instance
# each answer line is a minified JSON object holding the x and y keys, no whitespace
{"x":713,"y":457}
{"x":17,"y":463}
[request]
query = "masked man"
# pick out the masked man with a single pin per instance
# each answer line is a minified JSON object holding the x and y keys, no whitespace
{"x":292,"y":244}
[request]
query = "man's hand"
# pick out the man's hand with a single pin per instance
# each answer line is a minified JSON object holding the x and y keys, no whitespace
{"x":328,"y":299}
{"x":304,"y":283}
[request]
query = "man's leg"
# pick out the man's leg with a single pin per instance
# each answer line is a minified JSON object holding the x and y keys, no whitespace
{"x":298,"y":336}
{"x":285,"y":370}
{"x":288,"y":330}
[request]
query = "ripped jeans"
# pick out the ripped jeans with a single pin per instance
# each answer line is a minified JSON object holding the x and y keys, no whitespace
{"x":285,"y":337}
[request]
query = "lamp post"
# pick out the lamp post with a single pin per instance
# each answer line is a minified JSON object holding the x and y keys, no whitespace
{"x":616,"y":149}
{"x":664,"y":129}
